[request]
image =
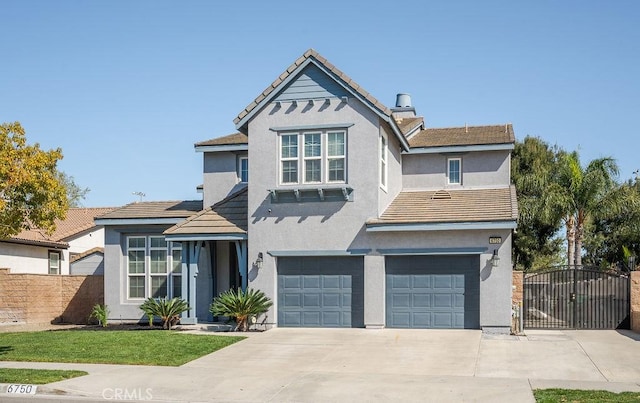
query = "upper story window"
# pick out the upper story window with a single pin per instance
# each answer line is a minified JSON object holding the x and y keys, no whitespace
{"x":384,"y":147}
{"x":154,"y":267}
{"x":54,"y":262}
{"x":454,"y":171}
{"x":243,"y":169}
{"x":313,"y":157}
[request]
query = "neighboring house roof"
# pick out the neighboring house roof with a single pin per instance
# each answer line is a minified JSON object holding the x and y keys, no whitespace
{"x":451,"y":206}
{"x":227,"y":217}
{"x":36,"y":237}
{"x":231,"y":139}
{"x":80,"y":256}
{"x":468,"y":135}
{"x":77,"y":221}
{"x":312,"y":56}
{"x":168,"y":210}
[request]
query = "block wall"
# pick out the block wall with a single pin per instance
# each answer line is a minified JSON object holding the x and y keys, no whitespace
{"x":45,"y":298}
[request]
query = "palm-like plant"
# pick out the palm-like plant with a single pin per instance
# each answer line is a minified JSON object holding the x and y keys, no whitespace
{"x":240,"y":305}
{"x":168,"y":310}
{"x":582,"y":193}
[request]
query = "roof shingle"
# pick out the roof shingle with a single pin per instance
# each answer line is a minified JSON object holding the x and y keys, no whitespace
{"x":229,"y":216}
{"x":458,"y":136}
{"x":231,"y":139}
{"x":449,"y":206}
{"x":158,"y":209}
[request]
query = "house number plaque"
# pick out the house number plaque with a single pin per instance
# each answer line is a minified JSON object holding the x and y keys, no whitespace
{"x":495,"y":240}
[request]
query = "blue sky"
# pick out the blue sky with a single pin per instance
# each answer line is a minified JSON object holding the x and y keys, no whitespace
{"x":126,"y":88}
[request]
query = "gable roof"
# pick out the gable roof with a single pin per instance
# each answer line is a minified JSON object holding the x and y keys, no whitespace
{"x":459,"y":136}
{"x":36,"y":237}
{"x":231,"y":139}
{"x":406,"y":125}
{"x":451,"y":206}
{"x":160,"y":211}
{"x":77,"y":221}
{"x":227,"y":218}
{"x":79,"y":256}
{"x":311,"y":56}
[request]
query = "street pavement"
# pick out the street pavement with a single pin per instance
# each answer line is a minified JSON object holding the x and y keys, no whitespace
{"x":347,"y":365}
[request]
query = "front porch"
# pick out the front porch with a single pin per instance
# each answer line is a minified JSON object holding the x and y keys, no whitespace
{"x":214,"y":254}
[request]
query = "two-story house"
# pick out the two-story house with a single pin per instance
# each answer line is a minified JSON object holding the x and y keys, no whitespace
{"x":345,"y":212}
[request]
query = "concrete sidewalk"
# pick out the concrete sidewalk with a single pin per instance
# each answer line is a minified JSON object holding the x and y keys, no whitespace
{"x":374,"y":365}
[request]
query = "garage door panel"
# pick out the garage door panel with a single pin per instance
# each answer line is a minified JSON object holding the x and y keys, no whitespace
{"x":331,"y":300}
{"x":329,"y":282}
{"x":330,"y":291}
{"x":443,"y":301}
{"x":421,"y":300}
{"x":443,"y":320}
{"x":310,"y":301}
{"x":291,"y":282}
{"x":292,"y":299}
{"x":433,"y":291}
{"x":311,"y":318}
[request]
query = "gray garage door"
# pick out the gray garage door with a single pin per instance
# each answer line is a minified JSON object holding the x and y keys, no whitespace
{"x":321,"y":292}
{"x":434,"y":292}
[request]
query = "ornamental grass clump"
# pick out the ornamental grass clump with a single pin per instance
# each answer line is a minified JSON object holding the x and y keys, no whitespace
{"x":241,"y":305}
{"x":168,"y":310}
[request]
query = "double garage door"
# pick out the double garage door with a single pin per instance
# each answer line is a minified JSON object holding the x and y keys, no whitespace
{"x":421,"y":292}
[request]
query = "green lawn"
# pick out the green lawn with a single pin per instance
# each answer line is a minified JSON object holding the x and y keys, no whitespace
{"x":36,"y":376}
{"x":582,"y":396}
{"x":143,"y":347}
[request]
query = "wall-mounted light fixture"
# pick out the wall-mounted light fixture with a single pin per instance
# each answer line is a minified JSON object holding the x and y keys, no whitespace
{"x":259,"y":261}
{"x":495,"y":259}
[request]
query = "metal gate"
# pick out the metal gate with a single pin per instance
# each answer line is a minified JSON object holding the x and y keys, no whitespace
{"x":573,"y":298}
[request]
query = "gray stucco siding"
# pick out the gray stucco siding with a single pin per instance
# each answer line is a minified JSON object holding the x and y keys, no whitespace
{"x":309,"y":226}
{"x":220,"y":175}
{"x":93,"y":264}
{"x":479,"y":169}
{"x":115,"y":271}
{"x":495,"y":282}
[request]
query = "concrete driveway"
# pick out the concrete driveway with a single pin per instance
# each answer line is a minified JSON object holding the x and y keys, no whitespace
{"x":376,"y":365}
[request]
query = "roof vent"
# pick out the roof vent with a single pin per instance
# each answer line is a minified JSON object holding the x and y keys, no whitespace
{"x":441,"y":195}
{"x":403,"y":101}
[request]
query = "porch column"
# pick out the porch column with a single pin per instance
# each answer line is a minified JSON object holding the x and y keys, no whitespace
{"x":241,"y":251}
{"x":190,"y":256}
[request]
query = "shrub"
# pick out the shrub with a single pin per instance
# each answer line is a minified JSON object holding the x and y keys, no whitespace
{"x":241,"y":305}
{"x":101,"y":313}
{"x":168,"y":310}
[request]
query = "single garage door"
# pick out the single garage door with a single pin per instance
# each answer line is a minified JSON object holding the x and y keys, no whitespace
{"x":433,"y":292}
{"x":321,"y":291}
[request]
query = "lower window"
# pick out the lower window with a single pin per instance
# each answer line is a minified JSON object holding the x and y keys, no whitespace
{"x":154,"y":267}
{"x":54,"y":262}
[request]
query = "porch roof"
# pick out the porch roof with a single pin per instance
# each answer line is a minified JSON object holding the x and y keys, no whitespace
{"x":431,"y":209}
{"x":226,"y":219}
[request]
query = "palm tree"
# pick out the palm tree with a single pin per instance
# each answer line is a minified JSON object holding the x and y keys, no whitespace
{"x":582,"y":193}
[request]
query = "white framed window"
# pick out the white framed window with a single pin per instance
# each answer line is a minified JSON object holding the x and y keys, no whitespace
{"x":243,"y":169}
{"x":154,"y":267}
{"x":54,"y":262}
{"x":323,"y":157}
{"x":384,"y":150}
{"x":289,"y":158}
{"x":454,"y":171}
{"x":312,"y":157}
